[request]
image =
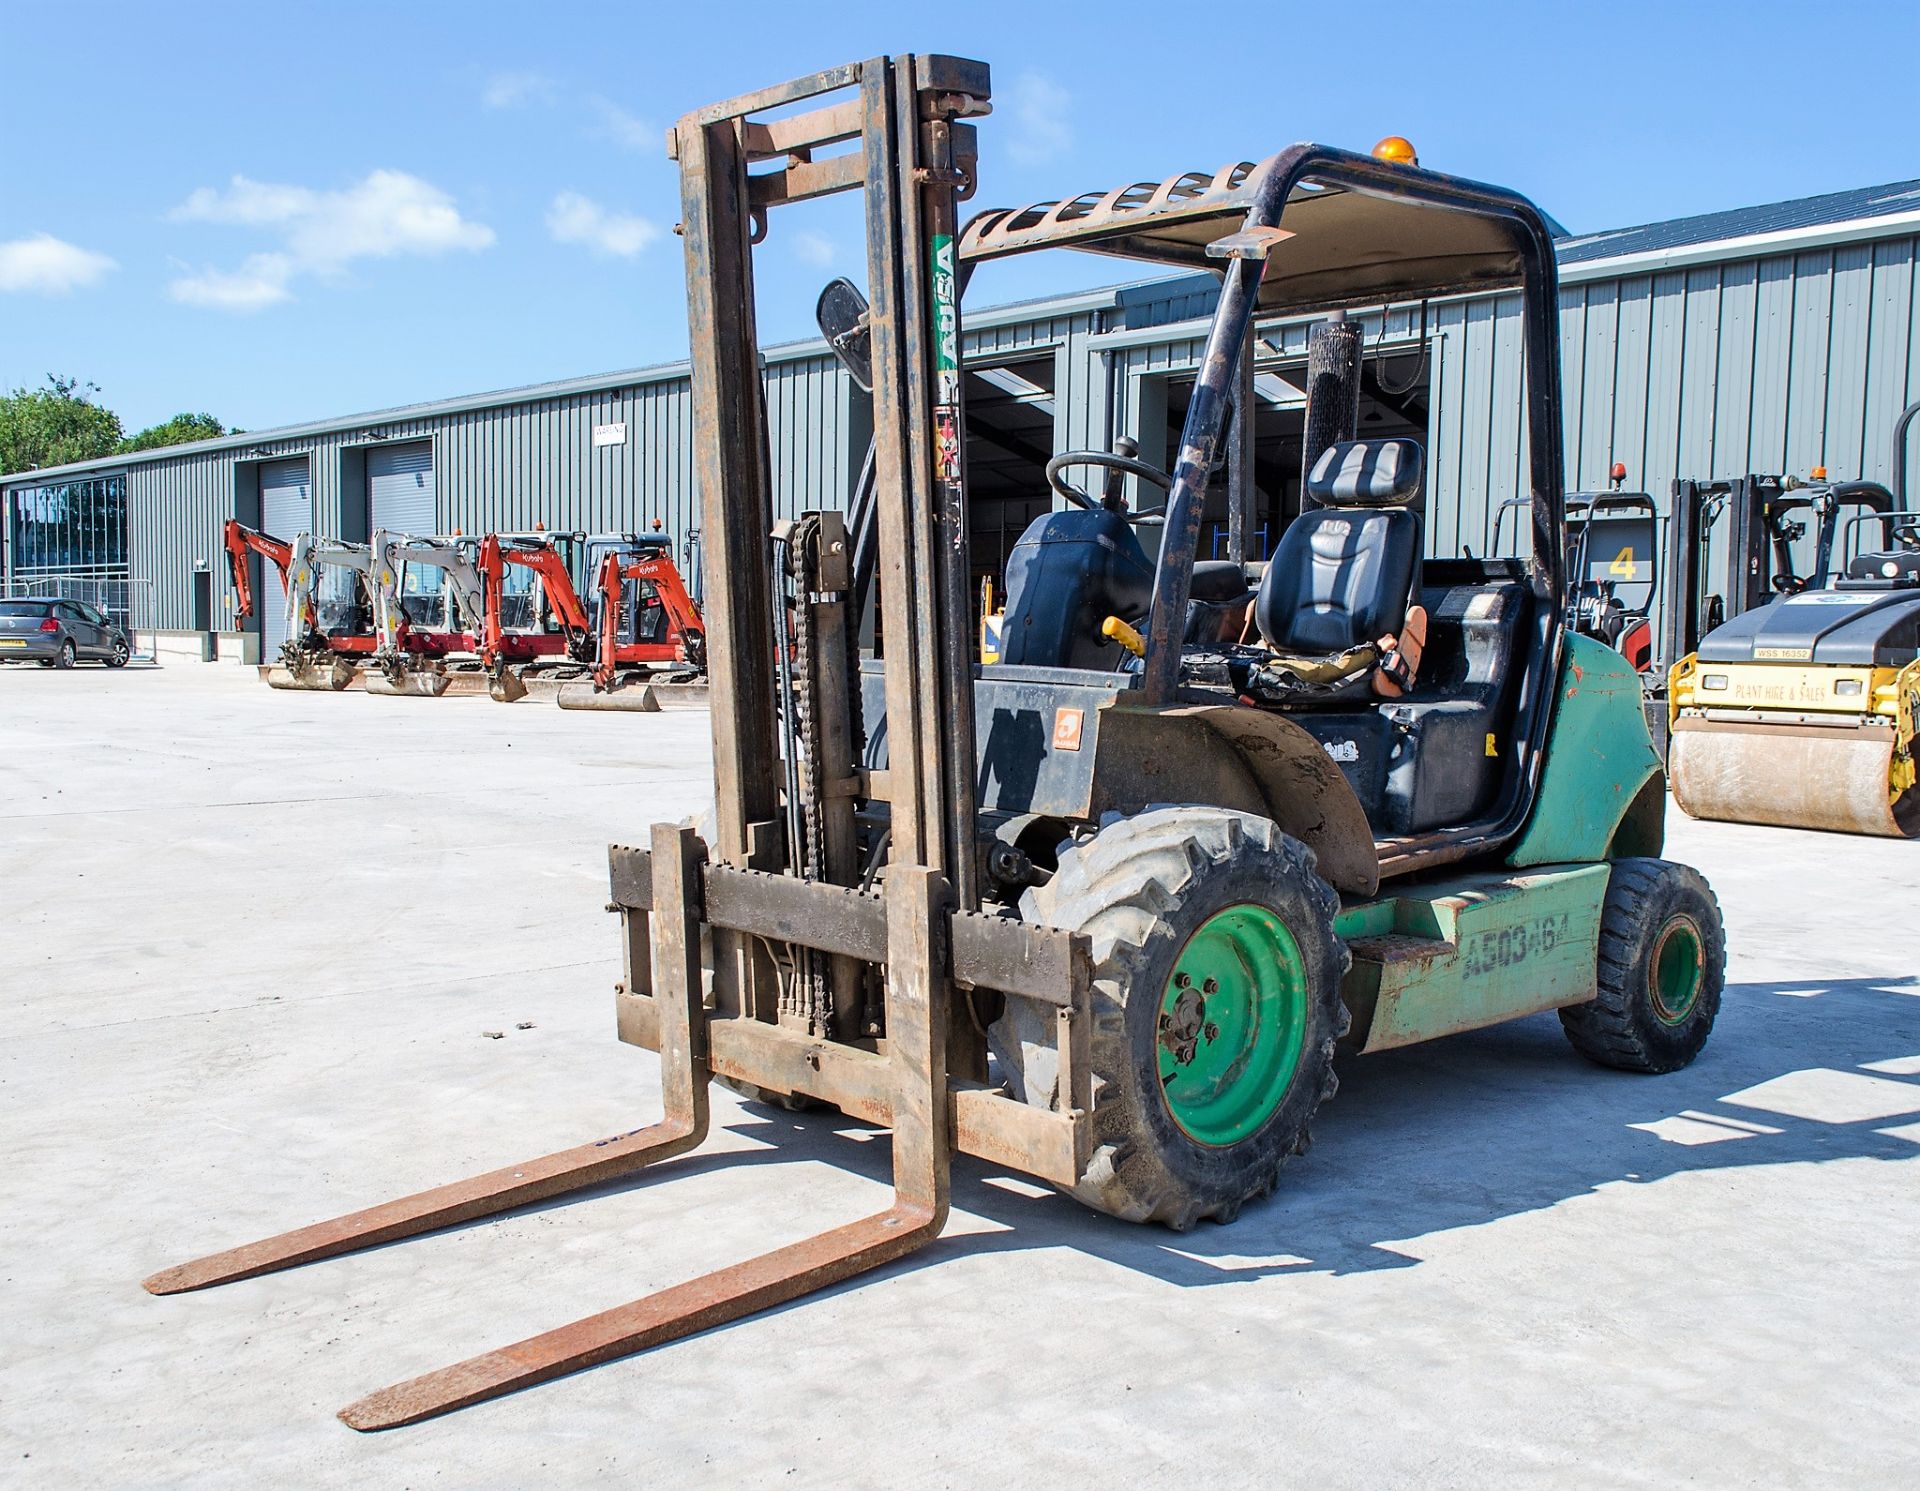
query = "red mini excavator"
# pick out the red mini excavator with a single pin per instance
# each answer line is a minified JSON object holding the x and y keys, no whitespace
{"x":509,"y":655}
{"x":650,"y":629}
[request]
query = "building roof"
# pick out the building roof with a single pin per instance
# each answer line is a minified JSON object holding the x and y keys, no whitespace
{"x":1862,"y":204}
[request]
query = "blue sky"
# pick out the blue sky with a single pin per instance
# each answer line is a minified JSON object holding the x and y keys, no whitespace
{"x":280,"y":211}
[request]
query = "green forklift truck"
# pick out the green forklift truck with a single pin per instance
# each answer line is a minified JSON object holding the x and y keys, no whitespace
{"x":1103,"y":912}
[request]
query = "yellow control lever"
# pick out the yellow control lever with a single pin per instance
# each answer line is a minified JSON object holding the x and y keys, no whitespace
{"x":1117,"y":630}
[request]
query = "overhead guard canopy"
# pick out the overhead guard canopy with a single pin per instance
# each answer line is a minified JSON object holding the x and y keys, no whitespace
{"x":1418,"y":234}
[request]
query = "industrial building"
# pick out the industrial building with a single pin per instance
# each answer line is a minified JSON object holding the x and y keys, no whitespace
{"x":1774,"y":338}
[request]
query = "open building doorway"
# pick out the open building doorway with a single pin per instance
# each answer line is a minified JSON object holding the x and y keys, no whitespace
{"x":1394,"y":402}
{"x":1012,"y":411}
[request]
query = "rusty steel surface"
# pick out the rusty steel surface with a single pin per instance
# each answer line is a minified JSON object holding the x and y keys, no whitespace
{"x":443,"y":1206}
{"x":725,"y":1295}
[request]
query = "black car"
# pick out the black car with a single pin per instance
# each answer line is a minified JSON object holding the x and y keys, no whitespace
{"x":58,"y":633}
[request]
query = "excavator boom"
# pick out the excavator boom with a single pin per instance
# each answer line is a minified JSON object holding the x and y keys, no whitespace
{"x":242,"y":541}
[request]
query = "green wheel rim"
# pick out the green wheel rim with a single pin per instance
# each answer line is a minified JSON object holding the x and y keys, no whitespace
{"x":1232,"y":1024}
{"x":1676,"y":970}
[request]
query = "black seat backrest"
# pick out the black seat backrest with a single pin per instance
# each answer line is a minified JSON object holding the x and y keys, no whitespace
{"x":1069,"y":572}
{"x":1345,"y":570}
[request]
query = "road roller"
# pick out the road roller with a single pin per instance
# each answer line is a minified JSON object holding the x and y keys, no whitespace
{"x":1801,"y":713}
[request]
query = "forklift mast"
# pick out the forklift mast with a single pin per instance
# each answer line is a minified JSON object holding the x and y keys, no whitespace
{"x":1758,"y":563}
{"x":912,"y":155}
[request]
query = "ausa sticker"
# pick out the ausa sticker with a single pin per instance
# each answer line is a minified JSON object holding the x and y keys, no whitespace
{"x":1066,"y":729}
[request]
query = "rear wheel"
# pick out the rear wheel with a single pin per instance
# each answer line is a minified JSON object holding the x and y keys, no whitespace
{"x":69,"y":655}
{"x":1663,"y":959}
{"x":1216,"y":1004}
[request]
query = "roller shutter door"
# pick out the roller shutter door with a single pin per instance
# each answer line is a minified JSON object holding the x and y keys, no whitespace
{"x":286,"y":510}
{"x":400,"y":488}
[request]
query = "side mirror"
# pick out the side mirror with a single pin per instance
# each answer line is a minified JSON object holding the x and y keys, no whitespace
{"x":842,"y":316}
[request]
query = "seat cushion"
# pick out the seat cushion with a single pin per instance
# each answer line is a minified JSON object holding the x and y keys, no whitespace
{"x":1341,"y":577}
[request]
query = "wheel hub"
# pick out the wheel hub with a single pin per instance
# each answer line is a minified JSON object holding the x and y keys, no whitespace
{"x":1232,"y":1025}
{"x":1674,"y":972}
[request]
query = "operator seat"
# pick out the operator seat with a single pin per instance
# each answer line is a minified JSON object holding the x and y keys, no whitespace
{"x":1346,"y":569}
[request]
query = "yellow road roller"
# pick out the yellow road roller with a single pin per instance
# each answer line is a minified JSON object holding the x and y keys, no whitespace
{"x":1802,"y":713}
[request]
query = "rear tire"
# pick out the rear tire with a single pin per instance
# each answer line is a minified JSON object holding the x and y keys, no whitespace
{"x":1215,"y":1004}
{"x":69,"y":655}
{"x":1663,"y":961}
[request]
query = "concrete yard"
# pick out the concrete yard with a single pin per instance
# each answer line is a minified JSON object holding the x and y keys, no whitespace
{"x":254,"y":939}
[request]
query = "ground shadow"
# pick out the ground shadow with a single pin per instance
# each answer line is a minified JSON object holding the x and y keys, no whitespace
{"x":1453,"y":1133}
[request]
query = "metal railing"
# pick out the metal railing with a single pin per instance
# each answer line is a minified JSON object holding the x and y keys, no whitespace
{"x":130,"y":604}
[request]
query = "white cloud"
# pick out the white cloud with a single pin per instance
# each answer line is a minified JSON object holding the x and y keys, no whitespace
{"x":1038,"y":107}
{"x":814,"y":248}
{"x":510,"y":90}
{"x":45,"y":265}
{"x":321,"y":232}
{"x":576,"y":219}
{"x":628,"y":131}
{"x":255,"y":285}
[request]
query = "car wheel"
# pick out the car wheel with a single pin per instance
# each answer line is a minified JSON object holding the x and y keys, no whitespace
{"x":121,"y":652}
{"x":69,"y":655}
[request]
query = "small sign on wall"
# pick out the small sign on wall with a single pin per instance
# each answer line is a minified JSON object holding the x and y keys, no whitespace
{"x":613,"y":434}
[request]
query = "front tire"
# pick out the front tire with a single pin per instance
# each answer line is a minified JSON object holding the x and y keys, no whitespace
{"x":1663,"y":964}
{"x":121,"y":652}
{"x":1215,"y":1008}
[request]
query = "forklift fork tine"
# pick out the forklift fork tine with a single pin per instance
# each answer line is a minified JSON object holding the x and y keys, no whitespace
{"x":917,"y":1013}
{"x":683,"y":1083}
{"x":481,"y":1195}
{"x":714,"y":1299}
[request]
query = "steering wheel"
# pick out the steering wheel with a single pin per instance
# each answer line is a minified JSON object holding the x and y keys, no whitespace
{"x":1111,"y":461}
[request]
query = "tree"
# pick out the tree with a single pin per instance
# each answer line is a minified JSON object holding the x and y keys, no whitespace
{"x":54,"y":425}
{"x":176,"y":431}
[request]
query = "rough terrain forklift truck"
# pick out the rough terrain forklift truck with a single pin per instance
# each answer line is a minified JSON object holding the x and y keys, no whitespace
{"x":1805,"y":712}
{"x":1613,"y":563}
{"x":1162,"y":907}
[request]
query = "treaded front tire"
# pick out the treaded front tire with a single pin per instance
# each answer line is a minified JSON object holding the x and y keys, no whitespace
{"x":1142,"y":888}
{"x":1662,"y":968}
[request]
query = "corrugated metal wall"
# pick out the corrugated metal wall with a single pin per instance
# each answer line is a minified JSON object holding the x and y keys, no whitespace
{"x":1775,"y":364}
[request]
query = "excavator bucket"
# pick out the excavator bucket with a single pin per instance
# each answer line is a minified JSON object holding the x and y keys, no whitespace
{"x":505,"y":686}
{"x":636,"y":695}
{"x":407,"y":683}
{"x":324,"y":677}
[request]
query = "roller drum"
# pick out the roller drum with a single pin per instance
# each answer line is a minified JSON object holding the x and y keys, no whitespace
{"x":1791,"y":776}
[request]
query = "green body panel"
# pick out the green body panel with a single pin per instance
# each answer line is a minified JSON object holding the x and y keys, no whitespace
{"x":1599,"y":756}
{"x":1471,"y":950}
